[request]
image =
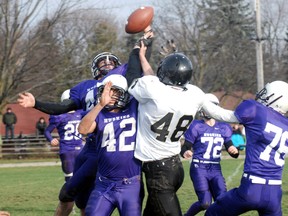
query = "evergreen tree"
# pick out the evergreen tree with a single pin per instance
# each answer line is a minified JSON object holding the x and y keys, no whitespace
{"x":228,"y":32}
{"x":284,"y":63}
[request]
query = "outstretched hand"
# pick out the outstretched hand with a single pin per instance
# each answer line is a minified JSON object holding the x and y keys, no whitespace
{"x":146,"y":38}
{"x":169,"y":48}
{"x":26,"y":99}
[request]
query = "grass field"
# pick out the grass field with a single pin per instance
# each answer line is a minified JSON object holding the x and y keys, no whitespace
{"x":33,"y":191}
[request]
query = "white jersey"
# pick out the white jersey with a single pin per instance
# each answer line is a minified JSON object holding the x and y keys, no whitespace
{"x":164,"y":114}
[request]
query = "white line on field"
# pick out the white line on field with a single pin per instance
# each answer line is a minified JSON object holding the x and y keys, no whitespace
{"x":237,"y":170}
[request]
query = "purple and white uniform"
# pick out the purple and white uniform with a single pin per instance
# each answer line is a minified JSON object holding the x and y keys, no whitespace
{"x":267,"y":143}
{"x":70,"y":140}
{"x":118,"y":182}
{"x":205,"y":170}
{"x":84,"y":94}
{"x":81,"y":184}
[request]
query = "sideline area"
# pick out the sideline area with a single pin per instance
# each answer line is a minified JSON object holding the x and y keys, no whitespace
{"x":30,"y":164}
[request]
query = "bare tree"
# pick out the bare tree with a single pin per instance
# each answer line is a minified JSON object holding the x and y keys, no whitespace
{"x":81,"y":34}
{"x":50,"y":54}
{"x":18,"y":42}
{"x":216,"y":35}
{"x":274,"y":24}
{"x":284,"y":62}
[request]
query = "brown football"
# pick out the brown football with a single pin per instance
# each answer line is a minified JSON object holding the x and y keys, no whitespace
{"x":139,"y":19}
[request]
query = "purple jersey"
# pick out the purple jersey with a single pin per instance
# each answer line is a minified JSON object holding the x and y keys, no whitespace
{"x":85,"y":93}
{"x":84,"y":96}
{"x":66,"y":125}
{"x":267,"y":139}
{"x":116,"y":133}
{"x":266,"y":145}
{"x":208,"y":140}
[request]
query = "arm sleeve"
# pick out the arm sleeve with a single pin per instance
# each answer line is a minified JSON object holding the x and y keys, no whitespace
{"x":56,"y":108}
{"x":134,"y":69}
{"x":219,"y":113}
{"x":186,"y":146}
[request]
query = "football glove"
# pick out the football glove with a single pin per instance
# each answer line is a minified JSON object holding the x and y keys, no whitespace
{"x":169,"y":48}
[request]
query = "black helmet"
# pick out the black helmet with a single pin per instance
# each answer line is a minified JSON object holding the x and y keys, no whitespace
{"x":175,"y":69}
{"x":96,"y":71}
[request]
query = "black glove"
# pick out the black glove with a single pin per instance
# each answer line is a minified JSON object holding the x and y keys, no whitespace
{"x":147,"y":41}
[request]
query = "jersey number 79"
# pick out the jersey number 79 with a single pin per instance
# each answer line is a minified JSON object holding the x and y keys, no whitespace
{"x":278,"y":144}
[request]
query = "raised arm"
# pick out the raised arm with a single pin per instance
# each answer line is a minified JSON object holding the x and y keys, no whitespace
{"x":134,"y":69}
{"x":27,"y":99}
{"x":146,"y":67}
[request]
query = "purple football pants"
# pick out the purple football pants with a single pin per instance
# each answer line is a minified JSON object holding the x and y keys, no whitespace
{"x":68,"y":161}
{"x":264,"y":198}
{"x":125,"y":195}
{"x":208,"y":182}
{"x":82,"y":182}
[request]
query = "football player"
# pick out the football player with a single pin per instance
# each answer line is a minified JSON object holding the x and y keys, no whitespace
{"x":206,"y":137}
{"x":266,"y":130}
{"x":82,"y":96}
{"x":113,"y":122}
{"x":70,"y":143}
{"x":167,"y":106}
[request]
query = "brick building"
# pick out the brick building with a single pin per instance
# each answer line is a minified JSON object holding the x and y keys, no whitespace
{"x":26,"y":119}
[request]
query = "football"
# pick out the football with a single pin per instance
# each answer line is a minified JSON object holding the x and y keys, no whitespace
{"x":139,"y":20}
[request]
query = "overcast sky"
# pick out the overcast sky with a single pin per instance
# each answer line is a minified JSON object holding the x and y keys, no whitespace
{"x":122,"y":8}
{"x":119,"y":9}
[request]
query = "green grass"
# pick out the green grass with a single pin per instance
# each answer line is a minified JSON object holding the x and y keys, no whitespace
{"x":33,"y":191}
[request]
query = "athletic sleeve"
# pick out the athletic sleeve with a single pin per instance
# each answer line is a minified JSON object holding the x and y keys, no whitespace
{"x":134,"y":69}
{"x":56,"y":108}
{"x":186,"y":146}
{"x":219,"y":113}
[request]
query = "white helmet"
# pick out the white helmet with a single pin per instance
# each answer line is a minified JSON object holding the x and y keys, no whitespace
{"x":212,"y":98}
{"x":274,"y":95}
{"x":119,"y":83}
{"x":65,"y":95}
{"x":117,"y":80}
